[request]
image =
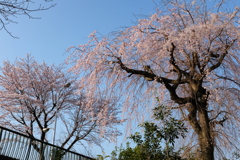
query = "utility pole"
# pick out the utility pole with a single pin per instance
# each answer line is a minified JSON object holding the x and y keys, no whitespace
{"x":55,"y":122}
{"x":54,"y":130}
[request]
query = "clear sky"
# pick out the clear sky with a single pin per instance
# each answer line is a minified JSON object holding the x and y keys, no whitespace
{"x":67,"y":24}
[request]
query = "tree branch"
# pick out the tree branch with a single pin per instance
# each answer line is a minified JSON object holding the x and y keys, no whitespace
{"x":77,"y":138}
{"x":227,"y":47}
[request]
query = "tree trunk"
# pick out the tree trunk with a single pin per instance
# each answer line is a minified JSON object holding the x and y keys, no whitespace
{"x":206,"y":148}
{"x":206,"y":141}
{"x":199,"y":120}
{"x":41,"y":154}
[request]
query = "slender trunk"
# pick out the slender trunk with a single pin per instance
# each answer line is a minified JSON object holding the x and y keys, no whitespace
{"x":42,"y":151}
{"x":42,"y":147}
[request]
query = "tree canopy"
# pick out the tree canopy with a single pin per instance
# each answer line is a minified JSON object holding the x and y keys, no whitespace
{"x":158,"y":140}
{"x":33,"y":95}
{"x":187,"y":54}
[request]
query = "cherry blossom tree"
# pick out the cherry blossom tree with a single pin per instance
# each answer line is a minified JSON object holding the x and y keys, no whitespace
{"x":10,"y":9}
{"x":186,"y":55}
{"x":33,"y":94}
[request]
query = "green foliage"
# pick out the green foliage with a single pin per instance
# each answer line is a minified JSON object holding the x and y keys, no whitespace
{"x":157,"y":143}
{"x":235,"y":156}
{"x":171,"y":128}
{"x":102,"y":157}
{"x":57,"y":154}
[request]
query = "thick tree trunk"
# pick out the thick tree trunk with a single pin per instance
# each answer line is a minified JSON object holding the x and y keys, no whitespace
{"x":205,"y":139}
{"x":206,"y":149}
{"x":199,"y":120}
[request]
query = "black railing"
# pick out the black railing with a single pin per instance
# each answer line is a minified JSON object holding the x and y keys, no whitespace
{"x":22,"y":147}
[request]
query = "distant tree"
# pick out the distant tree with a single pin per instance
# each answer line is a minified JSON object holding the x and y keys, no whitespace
{"x":157,"y":142}
{"x":33,"y":94}
{"x":103,"y":156}
{"x":57,"y":154}
{"x":188,"y":55}
{"x":10,"y":9}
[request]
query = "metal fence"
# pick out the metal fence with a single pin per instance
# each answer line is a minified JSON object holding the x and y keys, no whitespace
{"x":22,"y":147}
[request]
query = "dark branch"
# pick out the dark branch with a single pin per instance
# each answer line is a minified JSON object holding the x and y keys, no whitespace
{"x":221,"y":58}
{"x":170,"y":84}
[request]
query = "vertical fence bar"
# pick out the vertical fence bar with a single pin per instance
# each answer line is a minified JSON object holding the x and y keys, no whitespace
{"x":9,"y":142}
{"x":1,"y":132}
{"x":4,"y":142}
{"x":15,"y":146}
{"x":21,"y":147}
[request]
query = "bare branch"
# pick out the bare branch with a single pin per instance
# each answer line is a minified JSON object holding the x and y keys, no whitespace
{"x":9,"y":9}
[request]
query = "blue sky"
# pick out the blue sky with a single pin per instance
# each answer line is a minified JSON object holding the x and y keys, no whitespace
{"x":69,"y":23}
